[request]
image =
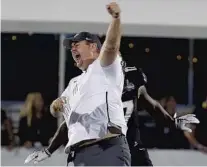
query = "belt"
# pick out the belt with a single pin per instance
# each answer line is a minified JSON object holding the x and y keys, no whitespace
{"x":104,"y":144}
{"x":110,"y":140}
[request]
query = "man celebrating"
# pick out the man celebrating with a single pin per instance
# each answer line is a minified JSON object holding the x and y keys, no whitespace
{"x":91,"y":104}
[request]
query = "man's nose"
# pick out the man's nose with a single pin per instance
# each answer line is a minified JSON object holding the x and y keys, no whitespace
{"x":73,"y":48}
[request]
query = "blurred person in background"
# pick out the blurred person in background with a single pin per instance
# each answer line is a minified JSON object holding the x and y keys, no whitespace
{"x":36,"y":123}
{"x":170,"y":137}
{"x":7,"y":137}
{"x":139,"y":154}
{"x":136,"y":98}
{"x":176,"y":138}
{"x":163,"y":101}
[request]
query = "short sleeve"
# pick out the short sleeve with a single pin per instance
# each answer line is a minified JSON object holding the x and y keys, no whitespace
{"x":114,"y":71}
{"x":66,"y":92}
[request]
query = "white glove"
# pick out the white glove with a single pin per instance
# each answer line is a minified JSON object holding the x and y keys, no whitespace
{"x":181,"y":122}
{"x":37,"y":156}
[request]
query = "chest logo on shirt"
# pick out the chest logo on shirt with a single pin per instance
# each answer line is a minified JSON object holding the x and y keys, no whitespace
{"x":75,"y":89}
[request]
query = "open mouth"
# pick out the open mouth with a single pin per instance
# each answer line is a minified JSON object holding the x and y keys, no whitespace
{"x":77,"y":56}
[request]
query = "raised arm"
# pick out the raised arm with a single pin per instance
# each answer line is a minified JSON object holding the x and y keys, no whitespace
{"x":111,"y":45}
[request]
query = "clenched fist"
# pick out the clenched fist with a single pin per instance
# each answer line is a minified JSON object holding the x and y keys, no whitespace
{"x":113,"y":9}
{"x":57,"y":106}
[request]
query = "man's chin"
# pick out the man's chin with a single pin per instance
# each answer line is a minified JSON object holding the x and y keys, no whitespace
{"x":80,"y":66}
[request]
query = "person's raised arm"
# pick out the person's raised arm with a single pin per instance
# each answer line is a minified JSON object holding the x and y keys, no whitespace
{"x":111,"y":45}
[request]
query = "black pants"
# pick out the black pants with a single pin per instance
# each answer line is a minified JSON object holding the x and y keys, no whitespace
{"x":140,"y":156}
{"x":108,"y":152}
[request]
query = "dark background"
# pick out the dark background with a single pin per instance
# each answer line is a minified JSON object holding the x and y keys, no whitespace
{"x":30,"y":63}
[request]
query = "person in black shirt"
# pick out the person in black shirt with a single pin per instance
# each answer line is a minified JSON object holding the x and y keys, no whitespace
{"x":36,"y":123}
{"x":139,"y":154}
{"x":135,"y":97}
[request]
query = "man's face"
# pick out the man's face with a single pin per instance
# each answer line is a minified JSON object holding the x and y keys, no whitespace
{"x":83,"y":53}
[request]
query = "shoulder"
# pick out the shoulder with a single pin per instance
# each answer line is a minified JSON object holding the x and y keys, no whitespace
{"x":68,"y":88}
{"x":114,"y":69}
{"x":73,"y":80}
{"x":117,"y":62}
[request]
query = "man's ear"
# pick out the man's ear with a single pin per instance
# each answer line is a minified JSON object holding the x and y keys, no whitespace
{"x":94,"y":46}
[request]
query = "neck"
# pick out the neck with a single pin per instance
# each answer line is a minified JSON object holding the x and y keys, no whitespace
{"x":88,"y":62}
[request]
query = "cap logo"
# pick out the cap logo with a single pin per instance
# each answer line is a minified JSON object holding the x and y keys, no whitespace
{"x":76,"y":35}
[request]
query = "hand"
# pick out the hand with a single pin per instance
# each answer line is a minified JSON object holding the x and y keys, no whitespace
{"x":57,"y":106}
{"x":202,"y":148}
{"x":113,"y":9}
{"x":181,"y":122}
{"x":38,"y":156}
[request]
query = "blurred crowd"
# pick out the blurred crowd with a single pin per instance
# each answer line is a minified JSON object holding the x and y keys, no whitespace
{"x":167,"y":136}
{"x":165,"y":62}
{"x":36,"y":125}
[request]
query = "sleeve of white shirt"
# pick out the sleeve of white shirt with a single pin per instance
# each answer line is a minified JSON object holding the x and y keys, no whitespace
{"x":114,"y":71}
{"x":66,"y":96}
{"x":66,"y":91}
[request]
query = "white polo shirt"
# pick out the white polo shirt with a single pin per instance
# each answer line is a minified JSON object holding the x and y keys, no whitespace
{"x":94,"y":97}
